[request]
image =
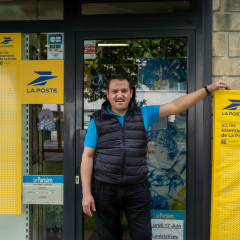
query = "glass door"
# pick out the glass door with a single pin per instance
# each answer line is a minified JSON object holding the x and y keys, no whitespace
{"x":157,"y":68}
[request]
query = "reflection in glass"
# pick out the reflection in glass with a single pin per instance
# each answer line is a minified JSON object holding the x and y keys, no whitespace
{"x":31,"y":10}
{"x":135,"y":7}
{"x":34,"y":46}
{"x":157,"y":68}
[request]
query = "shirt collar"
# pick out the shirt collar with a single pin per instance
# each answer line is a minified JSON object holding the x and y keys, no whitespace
{"x":114,"y":113}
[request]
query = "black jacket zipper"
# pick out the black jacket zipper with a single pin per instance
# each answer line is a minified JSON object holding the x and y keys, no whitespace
{"x":124,"y":152}
{"x":124,"y":145}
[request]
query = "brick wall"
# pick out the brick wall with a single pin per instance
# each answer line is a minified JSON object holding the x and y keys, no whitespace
{"x":226,"y":42}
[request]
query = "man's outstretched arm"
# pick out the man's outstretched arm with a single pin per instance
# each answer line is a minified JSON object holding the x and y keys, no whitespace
{"x":185,"y":102}
{"x":86,"y":175}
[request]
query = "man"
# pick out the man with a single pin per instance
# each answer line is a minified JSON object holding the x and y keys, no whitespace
{"x":115,"y":154}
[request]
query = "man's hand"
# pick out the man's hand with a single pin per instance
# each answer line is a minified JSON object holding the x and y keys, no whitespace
{"x":87,"y":202}
{"x":218,"y":84}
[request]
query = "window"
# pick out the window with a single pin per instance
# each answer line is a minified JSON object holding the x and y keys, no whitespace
{"x":31,"y":10}
{"x":135,"y":7}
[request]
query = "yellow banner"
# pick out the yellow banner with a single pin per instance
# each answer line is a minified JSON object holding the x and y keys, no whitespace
{"x":10,"y":123}
{"x":225,"y":220}
{"x":42,"y":82}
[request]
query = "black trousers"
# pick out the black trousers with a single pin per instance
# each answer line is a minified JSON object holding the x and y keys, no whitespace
{"x":134,"y":200}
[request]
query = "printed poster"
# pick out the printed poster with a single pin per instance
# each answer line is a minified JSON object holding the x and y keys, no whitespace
{"x":167,"y":229}
{"x":46,"y":120}
{"x":55,"y":46}
{"x":226,"y":165}
{"x":43,"y":189}
{"x":90,"y":49}
{"x":162,"y":74}
{"x":166,"y":150}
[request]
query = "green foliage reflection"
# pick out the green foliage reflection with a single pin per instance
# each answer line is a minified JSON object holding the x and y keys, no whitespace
{"x":124,"y":60}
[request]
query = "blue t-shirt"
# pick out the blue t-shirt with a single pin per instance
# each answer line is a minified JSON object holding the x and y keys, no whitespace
{"x":150,"y":116}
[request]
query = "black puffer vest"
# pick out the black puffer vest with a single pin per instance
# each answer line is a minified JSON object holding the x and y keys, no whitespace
{"x":120,"y":156}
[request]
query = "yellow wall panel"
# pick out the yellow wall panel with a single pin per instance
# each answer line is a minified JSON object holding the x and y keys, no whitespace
{"x":225,"y":219}
{"x":10,"y":123}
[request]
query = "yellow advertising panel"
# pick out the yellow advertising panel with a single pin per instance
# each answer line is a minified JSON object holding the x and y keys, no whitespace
{"x":225,"y":220}
{"x":10,"y":123}
{"x":42,"y":82}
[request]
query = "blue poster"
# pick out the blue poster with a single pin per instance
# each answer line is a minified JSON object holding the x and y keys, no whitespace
{"x":166,"y":150}
{"x":162,"y":73}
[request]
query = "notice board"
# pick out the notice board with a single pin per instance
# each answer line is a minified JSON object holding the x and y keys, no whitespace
{"x":225,"y":217}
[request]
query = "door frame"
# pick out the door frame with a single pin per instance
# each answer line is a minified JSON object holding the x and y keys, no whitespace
{"x":191,"y":115}
{"x":199,"y":20}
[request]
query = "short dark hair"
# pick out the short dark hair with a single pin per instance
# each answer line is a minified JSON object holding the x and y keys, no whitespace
{"x":119,"y":77}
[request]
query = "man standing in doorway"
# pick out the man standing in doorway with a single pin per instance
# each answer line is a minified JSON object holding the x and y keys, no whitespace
{"x":115,"y":155}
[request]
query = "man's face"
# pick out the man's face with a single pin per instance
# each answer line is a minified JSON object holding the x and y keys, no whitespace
{"x":119,"y":94}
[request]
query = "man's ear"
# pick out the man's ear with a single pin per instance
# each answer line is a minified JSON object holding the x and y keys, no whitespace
{"x":131,"y":92}
{"x":107,"y":93}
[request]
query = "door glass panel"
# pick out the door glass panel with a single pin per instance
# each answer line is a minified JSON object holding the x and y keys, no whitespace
{"x":47,"y":146}
{"x":157,"y":68}
{"x":135,"y":7}
{"x":45,"y":151}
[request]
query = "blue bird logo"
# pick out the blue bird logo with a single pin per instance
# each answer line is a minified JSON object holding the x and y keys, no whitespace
{"x":234,"y":105}
{"x":7,"y":40}
{"x":42,"y":80}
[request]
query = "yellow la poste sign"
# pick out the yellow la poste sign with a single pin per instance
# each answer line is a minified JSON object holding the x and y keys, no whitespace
{"x":42,"y":82}
{"x":226,"y":165}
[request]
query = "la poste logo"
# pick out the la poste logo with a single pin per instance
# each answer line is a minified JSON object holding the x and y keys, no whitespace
{"x":45,"y":76}
{"x":6,"y":41}
{"x":42,"y":82}
{"x":232,"y":108}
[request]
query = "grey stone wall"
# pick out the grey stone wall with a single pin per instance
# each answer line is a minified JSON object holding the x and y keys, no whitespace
{"x":226,"y":41}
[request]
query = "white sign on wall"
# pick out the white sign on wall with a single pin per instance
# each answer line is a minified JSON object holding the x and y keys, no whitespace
{"x":167,"y":229}
{"x":43,"y":189}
